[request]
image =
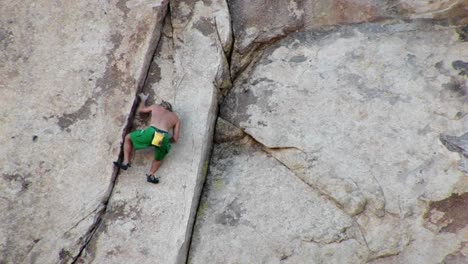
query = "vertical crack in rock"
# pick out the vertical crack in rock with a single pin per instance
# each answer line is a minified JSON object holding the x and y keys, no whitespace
{"x":102,"y":207}
{"x":220,"y":83}
{"x":230,"y":53}
{"x":223,"y":89}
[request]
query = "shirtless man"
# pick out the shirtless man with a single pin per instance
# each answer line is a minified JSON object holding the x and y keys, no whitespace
{"x":162,"y":120}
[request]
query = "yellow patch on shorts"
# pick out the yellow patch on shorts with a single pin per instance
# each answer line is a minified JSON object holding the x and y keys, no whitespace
{"x":157,"y":139}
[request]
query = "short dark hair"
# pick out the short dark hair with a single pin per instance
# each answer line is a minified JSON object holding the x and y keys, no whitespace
{"x":166,"y":105}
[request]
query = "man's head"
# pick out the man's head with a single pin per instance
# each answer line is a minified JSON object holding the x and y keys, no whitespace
{"x":166,"y":105}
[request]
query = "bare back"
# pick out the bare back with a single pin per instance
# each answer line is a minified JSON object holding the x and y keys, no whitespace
{"x":163,"y":118}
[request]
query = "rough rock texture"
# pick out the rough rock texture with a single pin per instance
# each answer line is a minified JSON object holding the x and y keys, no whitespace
{"x":452,"y":9}
{"x":340,"y":144}
{"x":254,"y":210}
{"x":280,"y":18}
{"x":458,"y":144}
{"x":68,"y":75}
{"x":356,"y":114}
{"x":148,"y":223}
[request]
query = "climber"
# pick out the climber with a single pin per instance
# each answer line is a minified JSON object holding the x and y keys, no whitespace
{"x":162,"y":120}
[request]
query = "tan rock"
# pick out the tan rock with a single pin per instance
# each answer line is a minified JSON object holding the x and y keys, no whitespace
{"x":357,"y":113}
{"x":68,"y":75}
{"x":226,"y":132}
{"x":255,"y":210}
{"x":280,"y":18}
{"x":149,"y":223}
{"x":435,"y":9}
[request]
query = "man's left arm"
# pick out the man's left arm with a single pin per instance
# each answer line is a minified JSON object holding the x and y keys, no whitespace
{"x":175,"y":137}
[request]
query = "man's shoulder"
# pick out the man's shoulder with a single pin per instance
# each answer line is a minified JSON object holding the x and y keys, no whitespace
{"x":157,"y":109}
{"x":176,"y":117}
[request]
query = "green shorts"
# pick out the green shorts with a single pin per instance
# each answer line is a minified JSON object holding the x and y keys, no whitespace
{"x":142,"y":139}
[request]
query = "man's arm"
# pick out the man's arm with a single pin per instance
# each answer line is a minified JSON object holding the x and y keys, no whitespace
{"x":175,"y":137}
{"x":142,"y":108}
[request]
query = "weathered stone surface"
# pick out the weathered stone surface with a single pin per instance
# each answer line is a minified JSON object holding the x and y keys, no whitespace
{"x":226,"y":132}
{"x":458,"y":144}
{"x":254,"y":210}
{"x":448,"y":215}
{"x":435,"y":9}
{"x":342,"y":144}
{"x":68,"y":75}
{"x":368,"y":86}
{"x":356,"y":114}
{"x":458,"y":257}
{"x":280,"y":18}
{"x":149,"y":223}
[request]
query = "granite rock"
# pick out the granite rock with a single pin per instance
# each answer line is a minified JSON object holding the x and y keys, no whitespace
{"x":68,"y":75}
{"x":343,"y":139}
{"x":252,"y":32}
{"x":147,"y":223}
{"x":254,"y":210}
{"x":355,"y":113}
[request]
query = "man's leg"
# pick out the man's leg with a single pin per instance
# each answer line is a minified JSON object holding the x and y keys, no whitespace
{"x":128,"y":148}
{"x":154,"y":167}
{"x":159,"y":154}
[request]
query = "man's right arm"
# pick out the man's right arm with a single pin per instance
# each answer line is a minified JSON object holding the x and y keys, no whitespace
{"x":142,"y":108}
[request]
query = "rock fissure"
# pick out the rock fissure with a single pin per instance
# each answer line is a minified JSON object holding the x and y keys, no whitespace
{"x":341,"y":237}
{"x":383,"y":211}
{"x":315,"y":188}
{"x":271,"y":148}
{"x":361,"y":232}
{"x":82,"y":219}
{"x":268,"y":151}
{"x":333,"y":200}
{"x":223,"y":90}
{"x":351,"y":233}
{"x":229,"y":54}
{"x":102,"y":208}
{"x":90,"y":233}
{"x":388,"y":255}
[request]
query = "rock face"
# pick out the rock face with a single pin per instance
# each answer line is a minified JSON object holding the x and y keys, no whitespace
{"x":279,"y":18}
{"x":61,"y":203}
{"x":69,"y":73}
{"x":148,"y":223}
{"x":255,"y":210}
{"x":353,"y":114}
{"x":341,"y":137}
